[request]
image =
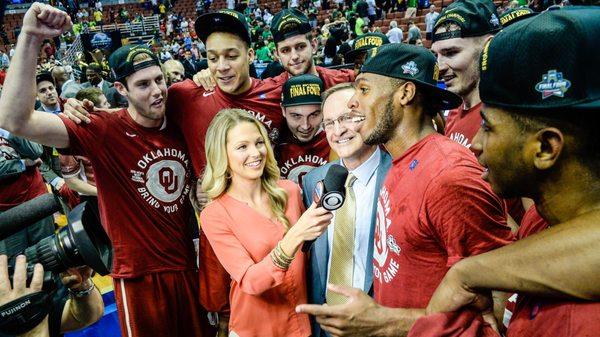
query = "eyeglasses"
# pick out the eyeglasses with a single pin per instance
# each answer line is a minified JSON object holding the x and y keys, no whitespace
{"x":346,"y":120}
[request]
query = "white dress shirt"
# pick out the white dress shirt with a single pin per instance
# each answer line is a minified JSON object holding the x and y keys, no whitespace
{"x":395,"y":35}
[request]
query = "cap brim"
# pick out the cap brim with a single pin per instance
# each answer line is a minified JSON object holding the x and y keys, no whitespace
{"x":214,"y":22}
{"x":351,"y":55}
{"x":585,"y":105}
{"x":303,"y":103}
{"x":593,"y":104}
{"x":447,"y":99}
{"x":302,"y":30}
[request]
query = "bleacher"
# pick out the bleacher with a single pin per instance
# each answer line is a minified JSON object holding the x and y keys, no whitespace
{"x":12,"y":21}
{"x":188,"y":9}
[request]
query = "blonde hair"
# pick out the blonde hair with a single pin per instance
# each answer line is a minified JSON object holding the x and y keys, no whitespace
{"x":216,"y":181}
{"x":141,"y":57}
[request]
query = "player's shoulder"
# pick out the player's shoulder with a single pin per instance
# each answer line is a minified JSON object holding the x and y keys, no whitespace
{"x":267,"y":91}
{"x":270,"y":83}
{"x":279,"y":79}
{"x":336,"y":75}
{"x":102,"y":117}
{"x":447,"y":161}
{"x":185,"y":88}
{"x":451,"y":151}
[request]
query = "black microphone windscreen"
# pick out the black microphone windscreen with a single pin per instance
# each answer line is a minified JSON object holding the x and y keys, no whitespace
{"x":27,"y":213}
{"x":335,"y":178}
{"x":333,"y":194}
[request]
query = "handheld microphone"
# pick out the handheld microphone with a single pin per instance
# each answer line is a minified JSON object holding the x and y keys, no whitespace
{"x":330,"y":192}
{"x":27,"y":213}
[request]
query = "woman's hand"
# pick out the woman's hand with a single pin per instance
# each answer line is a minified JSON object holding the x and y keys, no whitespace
{"x":309,"y":227}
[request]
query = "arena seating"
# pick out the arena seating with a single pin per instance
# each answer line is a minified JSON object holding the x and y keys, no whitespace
{"x":188,"y":9}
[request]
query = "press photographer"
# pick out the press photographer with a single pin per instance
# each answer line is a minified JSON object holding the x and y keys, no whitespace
{"x":65,"y":292}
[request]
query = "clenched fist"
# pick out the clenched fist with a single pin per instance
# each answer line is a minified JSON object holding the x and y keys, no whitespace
{"x":44,"y":21}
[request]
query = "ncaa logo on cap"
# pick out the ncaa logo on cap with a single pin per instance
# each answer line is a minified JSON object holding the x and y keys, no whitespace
{"x":410,"y":68}
{"x":553,"y":84}
{"x":494,"y":20}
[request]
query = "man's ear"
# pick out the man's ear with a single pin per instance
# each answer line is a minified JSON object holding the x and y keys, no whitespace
{"x":405,"y":94}
{"x":314,"y":44}
{"x":250,"y":55}
{"x":550,"y":144}
{"x":121,"y":89}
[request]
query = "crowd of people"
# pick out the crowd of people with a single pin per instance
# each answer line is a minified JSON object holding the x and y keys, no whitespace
{"x":471,"y":200}
{"x":175,"y":36}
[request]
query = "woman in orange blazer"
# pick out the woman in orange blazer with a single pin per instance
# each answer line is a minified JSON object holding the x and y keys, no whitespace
{"x":256,"y":223}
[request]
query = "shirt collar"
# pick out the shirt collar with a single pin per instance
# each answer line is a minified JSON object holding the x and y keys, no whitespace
{"x":52,"y":110}
{"x":365,"y":171}
{"x":164,"y":123}
{"x":4,"y":133}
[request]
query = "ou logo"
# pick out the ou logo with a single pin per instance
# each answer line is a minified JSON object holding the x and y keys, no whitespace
{"x":380,"y":251}
{"x":297,"y":173}
{"x":165,"y":180}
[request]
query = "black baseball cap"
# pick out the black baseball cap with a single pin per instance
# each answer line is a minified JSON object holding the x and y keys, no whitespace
{"x":515,"y":14}
{"x":474,"y":17}
{"x":44,"y":76}
{"x":302,"y":90}
{"x":366,"y":42}
{"x":556,"y":64}
{"x":289,"y":22}
{"x":224,"y":20}
{"x":411,"y":63}
{"x":121,"y":60}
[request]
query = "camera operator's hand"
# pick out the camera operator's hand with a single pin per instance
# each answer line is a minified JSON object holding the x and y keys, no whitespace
{"x":77,"y":279}
{"x":18,"y":289}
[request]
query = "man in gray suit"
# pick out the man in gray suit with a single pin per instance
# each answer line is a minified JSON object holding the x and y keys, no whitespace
{"x":369,"y":165}
{"x":96,"y":79}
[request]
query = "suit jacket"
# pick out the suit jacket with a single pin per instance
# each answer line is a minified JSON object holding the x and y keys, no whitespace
{"x":319,"y":252}
{"x":113,"y":97}
{"x":191,"y":67}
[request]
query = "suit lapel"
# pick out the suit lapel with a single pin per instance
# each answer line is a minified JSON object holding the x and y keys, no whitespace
{"x":384,"y":165}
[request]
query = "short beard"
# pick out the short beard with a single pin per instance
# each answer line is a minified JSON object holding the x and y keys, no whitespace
{"x":385,"y":127}
{"x":306,"y":70}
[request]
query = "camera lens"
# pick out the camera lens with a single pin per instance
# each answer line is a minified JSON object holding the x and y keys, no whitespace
{"x":82,"y":242}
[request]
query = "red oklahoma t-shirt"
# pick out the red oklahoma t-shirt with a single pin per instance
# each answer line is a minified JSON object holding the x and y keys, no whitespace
{"x":296,"y":159}
{"x":142,"y":176}
{"x":192,"y":109}
{"x":330,"y":77}
{"x":462,"y":125}
{"x":433,"y":210}
{"x":541,"y":317}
